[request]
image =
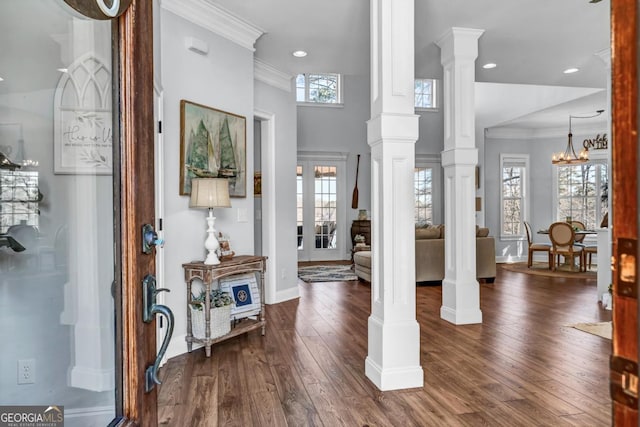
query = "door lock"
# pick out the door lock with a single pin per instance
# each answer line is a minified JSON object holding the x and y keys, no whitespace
{"x":150,"y":239}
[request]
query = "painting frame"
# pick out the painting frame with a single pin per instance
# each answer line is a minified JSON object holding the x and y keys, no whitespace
{"x":213,"y":144}
{"x":243,"y":289}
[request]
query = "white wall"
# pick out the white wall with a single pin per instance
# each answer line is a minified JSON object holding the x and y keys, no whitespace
{"x":223,"y":79}
{"x":279,"y":231}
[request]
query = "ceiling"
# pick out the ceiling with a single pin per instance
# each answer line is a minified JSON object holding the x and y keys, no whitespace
{"x":531,"y":41}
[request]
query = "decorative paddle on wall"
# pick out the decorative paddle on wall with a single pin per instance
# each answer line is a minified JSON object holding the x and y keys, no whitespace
{"x":354,"y":198}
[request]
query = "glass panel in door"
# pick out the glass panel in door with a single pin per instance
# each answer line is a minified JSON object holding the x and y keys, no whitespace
{"x":56,"y":212}
{"x":325,"y":208}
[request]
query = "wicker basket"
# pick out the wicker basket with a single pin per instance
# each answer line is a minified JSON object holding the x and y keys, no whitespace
{"x":220,"y":321}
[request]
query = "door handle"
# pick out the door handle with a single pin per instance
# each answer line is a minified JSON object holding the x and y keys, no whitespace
{"x":150,"y":309}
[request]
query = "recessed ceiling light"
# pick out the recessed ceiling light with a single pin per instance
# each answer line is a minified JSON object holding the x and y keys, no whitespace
{"x":62,"y":70}
{"x":1,"y":79}
{"x":489,"y":65}
{"x":299,"y":54}
{"x":571,"y":70}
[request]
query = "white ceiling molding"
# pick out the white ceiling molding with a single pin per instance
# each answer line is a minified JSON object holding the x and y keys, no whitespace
{"x":217,"y":20}
{"x":270,"y":75}
{"x":525,"y":133}
{"x":322,"y":155}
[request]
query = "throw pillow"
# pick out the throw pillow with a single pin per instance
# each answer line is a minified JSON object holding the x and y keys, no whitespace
{"x":427,"y":233}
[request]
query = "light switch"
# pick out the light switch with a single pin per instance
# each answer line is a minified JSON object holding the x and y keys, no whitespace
{"x":242,"y":215}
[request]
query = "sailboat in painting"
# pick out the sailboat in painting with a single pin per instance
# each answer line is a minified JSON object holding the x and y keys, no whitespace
{"x":227,"y":166}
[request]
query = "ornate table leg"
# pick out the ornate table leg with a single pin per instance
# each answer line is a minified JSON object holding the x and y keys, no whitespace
{"x":264,"y":326}
{"x":189,"y":337}
{"x":207,"y":319}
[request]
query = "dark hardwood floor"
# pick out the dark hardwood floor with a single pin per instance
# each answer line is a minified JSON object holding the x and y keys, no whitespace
{"x":521,"y":367}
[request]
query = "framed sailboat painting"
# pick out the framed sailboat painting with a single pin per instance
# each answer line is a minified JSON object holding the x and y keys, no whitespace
{"x":213,"y":144}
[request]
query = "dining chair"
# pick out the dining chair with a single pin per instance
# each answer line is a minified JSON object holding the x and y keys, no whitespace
{"x":562,"y":237}
{"x":536,"y":247}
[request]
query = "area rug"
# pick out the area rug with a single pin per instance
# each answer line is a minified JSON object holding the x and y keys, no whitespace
{"x":601,"y":329}
{"x":542,"y":269}
{"x":326,"y":273}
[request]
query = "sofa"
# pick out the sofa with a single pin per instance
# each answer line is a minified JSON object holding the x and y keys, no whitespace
{"x":430,"y":256}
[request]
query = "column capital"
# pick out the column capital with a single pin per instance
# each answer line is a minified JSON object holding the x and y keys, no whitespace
{"x":393,"y":127}
{"x":459,"y":43}
{"x":460,"y":156}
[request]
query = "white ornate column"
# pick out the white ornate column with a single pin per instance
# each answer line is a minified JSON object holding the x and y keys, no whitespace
{"x":393,"y":361}
{"x":460,"y":289}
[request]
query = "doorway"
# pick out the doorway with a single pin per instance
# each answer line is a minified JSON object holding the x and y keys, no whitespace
{"x":321,"y":210}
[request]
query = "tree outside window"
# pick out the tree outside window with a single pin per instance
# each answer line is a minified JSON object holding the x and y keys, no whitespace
{"x":423,"y":192}
{"x":318,"y":88}
{"x":582,"y":193}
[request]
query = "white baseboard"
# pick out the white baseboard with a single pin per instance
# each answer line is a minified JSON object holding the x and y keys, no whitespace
{"x":287,"y":294}
{"x":178,"y":346}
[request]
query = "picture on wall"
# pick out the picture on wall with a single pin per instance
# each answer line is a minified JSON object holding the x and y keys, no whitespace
{"x":212,"y":145}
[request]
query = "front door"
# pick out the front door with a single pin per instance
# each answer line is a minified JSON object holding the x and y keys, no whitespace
{"x":624,"y":360}
{"x":76,"y":153}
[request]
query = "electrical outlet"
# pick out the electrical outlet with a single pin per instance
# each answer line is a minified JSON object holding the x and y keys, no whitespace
{"x":26,"y":371}
{"x":283,"y":273}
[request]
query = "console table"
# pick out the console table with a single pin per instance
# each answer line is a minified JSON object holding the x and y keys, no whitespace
{"x":213,"y":273}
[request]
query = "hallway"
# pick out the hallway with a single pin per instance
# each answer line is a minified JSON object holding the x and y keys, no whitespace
{"x":522,"y":367}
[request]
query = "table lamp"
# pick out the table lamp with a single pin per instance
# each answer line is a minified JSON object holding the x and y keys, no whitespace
{"x":210,"y":193}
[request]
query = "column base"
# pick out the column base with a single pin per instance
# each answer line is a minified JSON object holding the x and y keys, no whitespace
{"x":460,"y":317}
{"x":393,"y":378}
{"x":393,"y":361}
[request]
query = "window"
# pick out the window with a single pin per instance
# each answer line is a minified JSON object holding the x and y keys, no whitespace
{"x":513,"y":195}
{"x":423,"y":191}
{"x":319,"y":88}
{"x":18,"y":199}
{"x":580,"y":193}
{"x":425,"y":94}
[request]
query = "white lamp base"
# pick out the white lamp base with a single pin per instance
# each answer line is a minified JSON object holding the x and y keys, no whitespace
{"x":211,"y":244}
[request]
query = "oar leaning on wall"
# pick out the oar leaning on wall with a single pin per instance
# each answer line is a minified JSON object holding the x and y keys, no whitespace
{"x":354,"y":198}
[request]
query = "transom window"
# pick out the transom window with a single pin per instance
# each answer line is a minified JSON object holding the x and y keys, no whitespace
{"x":423,"y":192}
{"x":319,"y":88}
{"x":425,"y":94}
{"x":582,"y":193}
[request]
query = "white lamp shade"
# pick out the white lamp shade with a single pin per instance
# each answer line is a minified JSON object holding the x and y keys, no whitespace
{"x":209,"y":193}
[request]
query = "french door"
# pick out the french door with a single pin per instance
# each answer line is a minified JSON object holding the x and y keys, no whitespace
{"x":76,"y":144}
{"x":321,"y":211}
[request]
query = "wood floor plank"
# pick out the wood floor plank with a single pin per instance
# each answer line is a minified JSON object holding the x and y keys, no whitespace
{"x":523,"y":366}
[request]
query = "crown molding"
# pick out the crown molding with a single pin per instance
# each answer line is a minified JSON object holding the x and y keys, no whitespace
{"x":322,"y":155}
{"x":217,"y":20}
{"x":526,"y":133}
{"x":270,"y":75}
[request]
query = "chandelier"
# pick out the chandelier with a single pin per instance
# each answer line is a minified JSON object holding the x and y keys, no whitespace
{"x":569,"y":156}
